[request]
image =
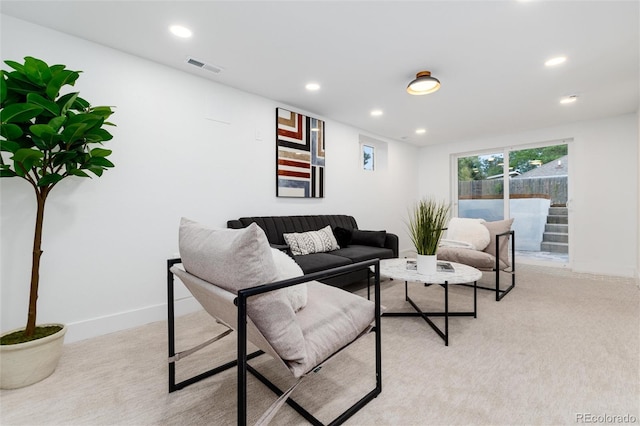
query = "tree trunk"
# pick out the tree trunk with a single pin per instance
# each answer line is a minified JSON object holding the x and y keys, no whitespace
{"x":41,"y":196}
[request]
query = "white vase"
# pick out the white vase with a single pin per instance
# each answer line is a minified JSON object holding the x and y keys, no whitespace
{"x":26,"y":363}
{"x":427,"y":264}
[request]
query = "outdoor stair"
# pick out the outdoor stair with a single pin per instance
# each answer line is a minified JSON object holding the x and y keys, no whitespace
{"x":556,"y":233}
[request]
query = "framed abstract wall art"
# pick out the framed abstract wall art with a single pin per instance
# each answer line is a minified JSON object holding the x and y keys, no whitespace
{"x":300,"y":155}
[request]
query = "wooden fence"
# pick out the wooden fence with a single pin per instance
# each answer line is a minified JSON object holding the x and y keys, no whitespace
{"x":554,"y":188}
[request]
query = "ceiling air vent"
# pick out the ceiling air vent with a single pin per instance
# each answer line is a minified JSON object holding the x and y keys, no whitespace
{"x":200,"y":64}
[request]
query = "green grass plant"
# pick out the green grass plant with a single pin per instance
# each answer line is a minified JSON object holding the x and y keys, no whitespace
{"x":427,"y":221}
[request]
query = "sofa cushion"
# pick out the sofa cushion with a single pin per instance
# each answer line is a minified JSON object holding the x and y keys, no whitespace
{"x":287,"y":268}
{"x":358,"y":253}
{"x":320,"y":241}
{"x":234,"y":259}
{"x":343,"y":236}
{"x":469,"y":231}
{"x":332,"y":319}
{"x":495,"y":228}
{"x":320,"y":261}
{"x":474,"y":258}
{"x":368,"y":238}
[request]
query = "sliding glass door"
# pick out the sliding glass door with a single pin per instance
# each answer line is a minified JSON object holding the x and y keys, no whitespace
{"x":529,"y":185}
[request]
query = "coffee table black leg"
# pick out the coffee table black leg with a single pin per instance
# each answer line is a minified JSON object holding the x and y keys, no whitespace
{"x":475,"y":299}
{"x":446,"y":313}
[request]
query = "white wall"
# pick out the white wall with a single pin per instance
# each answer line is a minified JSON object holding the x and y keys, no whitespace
{"x":603,"y":187}
{"x":106,"y":240}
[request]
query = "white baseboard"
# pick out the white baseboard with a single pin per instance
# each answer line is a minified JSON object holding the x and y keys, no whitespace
{"x":604,"y":269}
{"x":125,"y":320}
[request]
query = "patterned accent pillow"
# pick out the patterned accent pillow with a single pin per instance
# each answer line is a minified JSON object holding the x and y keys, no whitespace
{"x":302,"y":243}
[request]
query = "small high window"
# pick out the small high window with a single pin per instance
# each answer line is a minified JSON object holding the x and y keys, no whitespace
{"x":368,"y":157}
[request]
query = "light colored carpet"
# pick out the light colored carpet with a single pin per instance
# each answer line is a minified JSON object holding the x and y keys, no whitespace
{"x":560,"y":345}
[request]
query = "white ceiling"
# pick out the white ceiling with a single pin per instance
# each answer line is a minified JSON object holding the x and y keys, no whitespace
{"x":488,"y":55}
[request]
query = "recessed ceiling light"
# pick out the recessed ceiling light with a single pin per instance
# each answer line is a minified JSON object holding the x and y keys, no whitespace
{"x":421,"y":131}
{"x":555,"y":61}
{"x":180,"y":31}
{"x":569,"y":99}
{"x":312,"y":87}
{"x":376,"y":112}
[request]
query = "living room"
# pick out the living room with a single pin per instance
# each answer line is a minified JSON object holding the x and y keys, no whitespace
{"x":186,"y":145}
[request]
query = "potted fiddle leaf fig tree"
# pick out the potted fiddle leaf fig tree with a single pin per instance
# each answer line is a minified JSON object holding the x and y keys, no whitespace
{"x":427,"y":223}
{"x":46,"y":136}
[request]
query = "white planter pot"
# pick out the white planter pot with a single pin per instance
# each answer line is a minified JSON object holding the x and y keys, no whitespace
{"x":26,"y":363}
{"x":427,"y":264}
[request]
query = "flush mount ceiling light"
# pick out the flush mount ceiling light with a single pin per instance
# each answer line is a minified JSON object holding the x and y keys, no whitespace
{"x":423,"y":84}
{"x":180,"y":31}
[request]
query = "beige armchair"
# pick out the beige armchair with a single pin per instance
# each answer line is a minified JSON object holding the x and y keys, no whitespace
{"x":484,"y":246}
{"x":262,"y":294}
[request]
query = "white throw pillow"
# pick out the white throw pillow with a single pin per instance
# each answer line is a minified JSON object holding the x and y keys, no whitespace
{"x":288,"y":268}
{"x":470,"y":231}
{"x":302,"y":243}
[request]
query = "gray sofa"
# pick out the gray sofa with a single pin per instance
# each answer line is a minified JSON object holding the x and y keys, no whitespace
{"x":355,"y":245}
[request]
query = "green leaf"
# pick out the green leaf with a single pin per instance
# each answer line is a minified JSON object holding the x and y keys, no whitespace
{"x":90,"y":119}
{"x":48,"y":105}
{"x":98,"y":135}
{"x":96,"y":170}
{"x":81,"y":104}
{"x":17,"y":113}
{"x":78,"y":172}
{"x":57,"y":122}
{"x":49,"y":179}
{"x":15,"y":65}
{"x":100,"y":161}
{"x":3,"y":88}
{"x":66,"y":102}
{"x":100,"y":152}
{"x":56,"y":68}
{"x":9,"y":146}
{"x":7,"y":173}
{"x":62,"y":78}
{"x":42,"y":130}
{"x":103,"y":111}
{"x":26,"y":153}
{"x":62,"y":157}
{"x":10,"y":131}
{"x":24,"y":159}
{"x":46,"y":134}
{"x":37,"y":71}
{"x":74,"y":132}
{"x":19,"y":84}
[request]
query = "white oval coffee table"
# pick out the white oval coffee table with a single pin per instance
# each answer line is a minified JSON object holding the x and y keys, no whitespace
{"x":462,"y":274}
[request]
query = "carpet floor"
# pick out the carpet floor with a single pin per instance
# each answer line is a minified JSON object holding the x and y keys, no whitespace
{"x":561,"y":348}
